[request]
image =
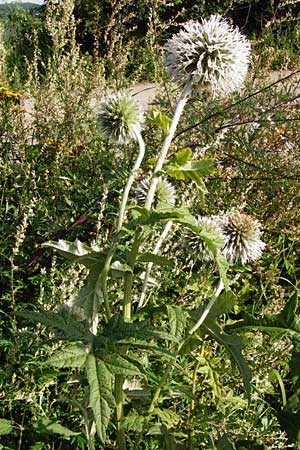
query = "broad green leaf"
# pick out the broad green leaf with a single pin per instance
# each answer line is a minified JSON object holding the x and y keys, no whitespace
{"x":150,"y":347}
{"x":72,"y":329}
{"x":101,"y":399}
{"x":77,"y":252}
{"x":156,"y":259}
{"x":119,"y":365}
{"x":177,"y":318}
{"x":47,"y":426}
{"x":71,"y":356}
{"x":286,"y":323}
{"x":6,"y":426}
{"x":234,"y":344}
{"x":155,"y":117}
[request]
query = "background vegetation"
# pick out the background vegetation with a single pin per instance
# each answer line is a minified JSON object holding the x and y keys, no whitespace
{"x":55,"y":177}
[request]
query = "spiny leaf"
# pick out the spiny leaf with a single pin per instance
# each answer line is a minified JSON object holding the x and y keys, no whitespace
{"x":47,"y":426}
{"x":72,"y":329}
{"x":182,"y":156}
{"x":118,"y":330}
{"x":119,"y":365}
{"x":71,"y":356}
{"x":101,"y":399}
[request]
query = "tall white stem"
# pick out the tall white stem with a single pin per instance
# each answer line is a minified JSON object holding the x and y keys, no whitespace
{"x":208,"y":307}
{"x":131,"y":179}
{"x":149,"y":266}
{"x":164,"y":150}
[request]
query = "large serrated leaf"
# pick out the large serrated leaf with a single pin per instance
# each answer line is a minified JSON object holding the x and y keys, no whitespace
{"x":47,"y":426}
{"x":119,"y":365}
{"x":77,"y":252}
{"x":72,"y":356}
{"x":234,"y":344}
{"x":72,"y":329}
{"x":286,"y":323}
{"x":101,"y":399}
{"x":118,"y":330}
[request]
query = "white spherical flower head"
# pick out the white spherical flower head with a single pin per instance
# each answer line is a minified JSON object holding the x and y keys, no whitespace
{"x":242,"y":238}
{"x":197,"y":244}
{"x":211,"y":53}
{"x":165,"y":194}
{"x":120,"y":117}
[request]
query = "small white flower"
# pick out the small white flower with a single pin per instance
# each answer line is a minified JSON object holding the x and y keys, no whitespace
{"x":198,"y":246}
{"x":211,"y":53}
{"x":242,"y":238}
{"x":119,"y":117}
{"x":165,"y":194}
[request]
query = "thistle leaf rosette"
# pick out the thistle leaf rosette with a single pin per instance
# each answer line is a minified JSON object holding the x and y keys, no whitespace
{"x":242,"y":238}
{"x":120,"y":118}
{"x":211,"y":53}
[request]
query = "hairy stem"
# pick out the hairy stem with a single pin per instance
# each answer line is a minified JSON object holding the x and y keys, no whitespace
{"x":165,"y":147}
{"x":162,"y":237}
{"x":131,"y":179}
{"x":208,"y":307}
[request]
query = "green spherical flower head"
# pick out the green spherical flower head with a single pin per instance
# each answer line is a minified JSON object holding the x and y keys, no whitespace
{"x":195,"y":242}
{"x":120,"y":118}
{"x":165,"y":194}
{"x":242,"y":238}
{"x":212,"y":54}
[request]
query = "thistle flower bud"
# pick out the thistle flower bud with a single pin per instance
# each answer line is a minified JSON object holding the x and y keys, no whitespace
{"x":211,"y":53}
{"x":242,"y":238}
{"x":165,"y":193}
{"x":194,"y":241}
{"x":120,"y":117}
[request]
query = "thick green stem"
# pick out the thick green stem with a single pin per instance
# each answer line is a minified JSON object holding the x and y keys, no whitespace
{"x":165,"y":147}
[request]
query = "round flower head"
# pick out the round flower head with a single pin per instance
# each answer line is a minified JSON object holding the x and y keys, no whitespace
{"x":119,"y":117}
{"x":211,"y":53}
{"x":165,"y":193}
{"x":198,"y":246}
{"x":242,"y":238}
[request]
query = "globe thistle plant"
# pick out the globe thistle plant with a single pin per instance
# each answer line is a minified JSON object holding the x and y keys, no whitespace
{"x":196,"y":243}
{"x":120,"y":118}
{"x":242,"y":238}
{"x":214,"y":55}
{"x":165,"y":193}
